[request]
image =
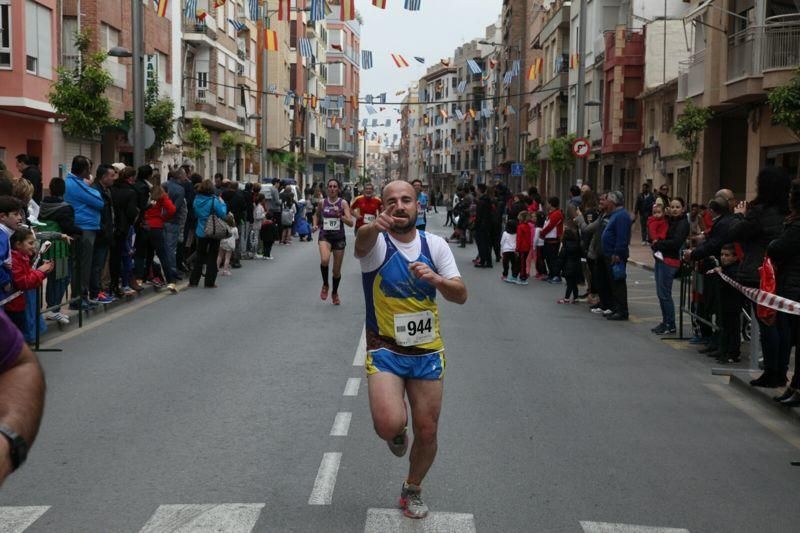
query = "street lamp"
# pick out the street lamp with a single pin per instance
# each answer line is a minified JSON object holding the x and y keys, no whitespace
{"x":137,"y":142}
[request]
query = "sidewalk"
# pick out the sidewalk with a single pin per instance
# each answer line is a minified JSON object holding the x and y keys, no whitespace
{"x":640,"y":255}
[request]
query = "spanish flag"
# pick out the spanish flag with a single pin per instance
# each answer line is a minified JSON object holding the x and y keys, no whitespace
{"x":201,"y":14}
{"x":354,"y":101}
{"x":283,"y":9}
{"x":399,"y":60}
{"x":443,"y":113}
{"x":313,"y":101}
{"x":162,"y":8}
{"x":471,"y":112}
{"x":348,"y":11}
{"x":532,"y":72}
{"x":219,"y":3}
{"x":271,"y":40}
{"x":380,"y":4}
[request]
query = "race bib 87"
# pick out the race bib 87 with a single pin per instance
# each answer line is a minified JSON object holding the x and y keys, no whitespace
{"x":413,"y":329}
{"x":331,"y":224}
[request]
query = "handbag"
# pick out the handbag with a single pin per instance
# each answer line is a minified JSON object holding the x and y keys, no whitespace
{"x":767,"y":284}
{"x":215,"y":228}
{"x":618,"y":271}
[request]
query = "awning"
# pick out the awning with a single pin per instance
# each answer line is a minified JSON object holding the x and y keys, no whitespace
{"x":699,"y":11}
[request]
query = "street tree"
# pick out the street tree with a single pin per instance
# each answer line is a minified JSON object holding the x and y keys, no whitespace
{"x":199,"y":140}
{"x":562,"y":159}
{"x":784,"y":101}
{"x":688,"y":129}
{"x":78,"y":94}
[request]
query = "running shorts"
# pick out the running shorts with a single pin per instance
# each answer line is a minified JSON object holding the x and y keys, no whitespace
{"x":429,"y":367}
{"x":336,"y":244}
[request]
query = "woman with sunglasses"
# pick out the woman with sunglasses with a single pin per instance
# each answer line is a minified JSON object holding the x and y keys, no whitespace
{"x":333,"y":212}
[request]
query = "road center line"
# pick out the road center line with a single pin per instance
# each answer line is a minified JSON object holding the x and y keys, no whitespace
{"x":18,"y":519}
{"x":322,"y":493}
{"x":605,"y":527}
{"x":341,"y":424}
{"x":361,"y":352}
{"x":351,"y":388}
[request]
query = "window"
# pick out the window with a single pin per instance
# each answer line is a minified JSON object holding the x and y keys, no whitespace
{"x":220,"y":82}
{"x":5,"y":34}
{"x":336,"y":74}
{"x":335,"y":38}
{"x":668,"y":118}
{"x":630,"y":114}
{"x":38,"y":40}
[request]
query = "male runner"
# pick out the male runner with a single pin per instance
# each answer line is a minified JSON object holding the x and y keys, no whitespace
{"x":402,"y":270}
{"x":422,"y":200}
{"x":366,"y":207}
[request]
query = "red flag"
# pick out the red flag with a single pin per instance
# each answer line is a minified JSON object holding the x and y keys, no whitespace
{"x":283,"y":9}
{"x":162,"y":8}
{"x":381,"y":4}
{"x":348,"y":11}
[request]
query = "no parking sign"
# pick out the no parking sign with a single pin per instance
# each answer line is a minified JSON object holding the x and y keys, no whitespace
{"x":580,"y":147}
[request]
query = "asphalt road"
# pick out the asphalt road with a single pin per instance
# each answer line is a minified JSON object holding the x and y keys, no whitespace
{"x":213,"y":411}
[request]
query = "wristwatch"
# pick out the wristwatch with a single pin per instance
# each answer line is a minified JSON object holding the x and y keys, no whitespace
{"x":19,"y":448}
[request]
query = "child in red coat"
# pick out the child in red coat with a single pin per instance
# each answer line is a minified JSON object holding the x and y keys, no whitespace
{"x":24,"y":277}
{"x":524,"y":243}
{"x":657,"y":224}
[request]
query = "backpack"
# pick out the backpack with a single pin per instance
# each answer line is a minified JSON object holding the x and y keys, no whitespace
{"x":287,"y":217}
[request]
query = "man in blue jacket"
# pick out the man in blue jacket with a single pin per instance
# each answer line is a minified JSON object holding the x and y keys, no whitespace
{"x":88,"y":204}
{"x":616,"y":240}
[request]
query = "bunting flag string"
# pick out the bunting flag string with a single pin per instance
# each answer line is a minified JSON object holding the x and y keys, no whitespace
{"x":288,"y":99}
{"x":284,"y":6}
{"x":462,"y":86}
{"x":366,"y":59}
{"x":368,"y":99}
{"x":515,"y":68}
{"x":420,"y":59}
{"x":161,"y":7}
{"x":317,"y":12}
{"x":507,"y":78}
{"x":399,"y":60}
{"x":413,"y":5}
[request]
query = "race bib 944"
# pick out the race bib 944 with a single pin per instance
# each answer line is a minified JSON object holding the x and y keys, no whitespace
{"x":413,"y":329}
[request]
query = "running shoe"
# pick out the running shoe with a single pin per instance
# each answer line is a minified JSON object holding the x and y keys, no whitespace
{"x":323,"y":294}
{"x":269,"y":258}
{"x":522,"y":282}
{"x":128,"y":291}
{"x":399,"y":444}
{"x":172,"y":288}
{"x":335,"y":299}
{"x":598,"y":310}
{"x":101,"y":298}
{"x":411,"y":501}
{"x":660,"y":329}
{"x":608,"y":312}
{"x":511,"y":279}
{"x":59,"y":317}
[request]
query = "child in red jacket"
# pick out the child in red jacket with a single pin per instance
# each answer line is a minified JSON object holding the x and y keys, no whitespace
{"x":524,"y":243}
{"x":657,"y":224}
{"x":24,"y":277}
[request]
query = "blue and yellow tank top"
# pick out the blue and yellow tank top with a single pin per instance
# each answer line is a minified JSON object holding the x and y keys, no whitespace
{"x":402,"y":315}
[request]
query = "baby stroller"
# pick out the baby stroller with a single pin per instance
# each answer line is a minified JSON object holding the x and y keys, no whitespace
{"x":301,"y":225}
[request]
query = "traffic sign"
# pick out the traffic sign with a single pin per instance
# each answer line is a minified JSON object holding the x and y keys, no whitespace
{"x":517,"y":169}
{"x":581,"y":147}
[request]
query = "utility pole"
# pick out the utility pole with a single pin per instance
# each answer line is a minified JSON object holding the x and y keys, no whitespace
{"x":264,"y":99}
{"x":138,"y":82}
{"x":519,"y":107}
{"x":580,"y":123}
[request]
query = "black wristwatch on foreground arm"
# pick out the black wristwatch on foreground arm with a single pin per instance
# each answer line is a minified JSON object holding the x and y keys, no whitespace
{"x":19,"y":448}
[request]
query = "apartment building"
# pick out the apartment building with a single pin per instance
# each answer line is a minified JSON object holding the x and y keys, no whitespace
{"x":514,"y":41}
{"x":410,"y":153}
{"x":216,"y":59}
{"x":471,"y":92}
{"x":437,"y":88}
{"x":376,"y":162}
{"x":28,"y":58}
{"x":741,"y":50}
{"x":344,"y":75}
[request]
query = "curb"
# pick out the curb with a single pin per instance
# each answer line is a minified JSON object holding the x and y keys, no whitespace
{"x":740,"y":380}
{"x":54,"y":328}
{"x":649,"y":268}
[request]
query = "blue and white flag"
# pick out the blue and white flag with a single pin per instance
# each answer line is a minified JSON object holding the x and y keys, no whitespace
{"x":474,"y":67}
{"x":388,"y":123}
{"x":382,"y":98}
{"x":272,"y":88}
{"x":515,"y":68}
{"x":507,"y":78}
{"x":366,"y":59}
{"x":340,"y":103}
{"x":413,"y":5}
{"x":317,"y":10}
{"x":411,"y":122}
{"x":459,"y":114}
{"x":368,"y":99}
{"x":374,"y":123}
{"x":190,"y":10}
{"x":364,"y":123}
{"x":287,"y":100}
{"x":304,"y":45}
{"x":420,"y":59}
{"x":462,"y":86}
{"x":253,"y":9}
{"x":510,"y":110}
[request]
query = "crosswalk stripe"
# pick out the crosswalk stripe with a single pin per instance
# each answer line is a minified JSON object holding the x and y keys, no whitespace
{"x":605,"y":527}
{"x":204,"y":518}
{"x":361,"y":352}
{"x":351,"y":388}
{"x":18,"y":519}
{"x":322,"y":493}
{"x":341,"y":424}
{"x":392,"y":520}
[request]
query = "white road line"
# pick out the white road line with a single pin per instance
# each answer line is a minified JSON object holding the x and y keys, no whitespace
{"x":361,"y":351}
{"x":392,"y":520}
{"x":18,"y":519}
{"x":341,"y":424}
{"x":322,"y":493}
{"x":351,"y":388}
{"x":230,"y":518}
{"x":604,"y":527}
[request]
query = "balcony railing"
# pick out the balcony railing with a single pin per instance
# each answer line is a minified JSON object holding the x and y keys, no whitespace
{"x":70,"y":61}
{"x":692,"y":75}
{"x":776,"y":45}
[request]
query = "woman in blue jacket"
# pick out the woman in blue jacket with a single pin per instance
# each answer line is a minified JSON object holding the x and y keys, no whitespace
{"x":207,"y":249}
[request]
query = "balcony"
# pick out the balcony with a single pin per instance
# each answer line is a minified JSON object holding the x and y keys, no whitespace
{"x":201,"y":100}
{"x":197,"y":31}
{"x":692,"y":76}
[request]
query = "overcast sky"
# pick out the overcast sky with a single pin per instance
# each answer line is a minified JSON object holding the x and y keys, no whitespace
{"x":434,"y":33}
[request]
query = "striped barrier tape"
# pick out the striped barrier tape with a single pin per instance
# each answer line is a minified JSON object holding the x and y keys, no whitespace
{"x":765,"y":299}
{"x":10,"y":298}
